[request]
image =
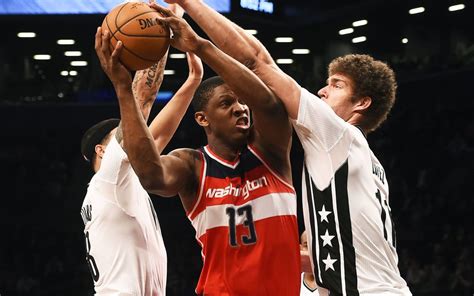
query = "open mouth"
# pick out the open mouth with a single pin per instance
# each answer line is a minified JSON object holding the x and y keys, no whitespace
{"x":243,"y":123}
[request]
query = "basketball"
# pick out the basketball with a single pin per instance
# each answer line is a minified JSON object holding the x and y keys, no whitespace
{"x":145,"y":40}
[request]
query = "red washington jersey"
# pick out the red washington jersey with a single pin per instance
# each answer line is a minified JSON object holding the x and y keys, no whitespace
{"x":245,"y":221}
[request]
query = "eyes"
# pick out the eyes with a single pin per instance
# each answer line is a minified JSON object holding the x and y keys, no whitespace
{"x":336,"y":83}
{"x":229,"y":101}
{"x":226,"y":103}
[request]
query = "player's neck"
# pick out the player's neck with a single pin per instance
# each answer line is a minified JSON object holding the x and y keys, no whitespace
{"x":224,"y":151}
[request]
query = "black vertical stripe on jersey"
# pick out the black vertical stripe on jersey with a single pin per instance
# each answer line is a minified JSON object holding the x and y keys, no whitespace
{"x":331,"y":279}
{"x":343,"y":211}
{"x":383,"y":215}
{"x":394,"y":233}
{"x":312,"y":224}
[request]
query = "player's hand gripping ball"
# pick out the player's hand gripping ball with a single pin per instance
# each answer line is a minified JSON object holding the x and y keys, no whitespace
{"x":145,"y":39}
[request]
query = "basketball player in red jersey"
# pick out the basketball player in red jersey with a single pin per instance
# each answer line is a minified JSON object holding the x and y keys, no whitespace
{"x":236,"y":190}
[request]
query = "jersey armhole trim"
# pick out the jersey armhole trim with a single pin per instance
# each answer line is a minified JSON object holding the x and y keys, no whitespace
{"x":307,"y":287}
{"x":260,"y":157}
{"x":119,"y":205}
{"x":202,"y":179}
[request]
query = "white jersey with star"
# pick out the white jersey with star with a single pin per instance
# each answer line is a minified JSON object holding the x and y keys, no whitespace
{"x":351,"y":236}
{"x":125,"y":249}
{"x":306,"y":290}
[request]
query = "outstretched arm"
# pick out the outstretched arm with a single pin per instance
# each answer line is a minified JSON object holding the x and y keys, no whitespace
{"x":147,"y":83}
{"x":166,"y":174}
{"x":245,"y":48}
{"x":268,"y":113}
{"x":167,"y":121}
{"x":145,"y":86}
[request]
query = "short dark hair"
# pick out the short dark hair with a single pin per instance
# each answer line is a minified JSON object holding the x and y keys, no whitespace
{"x":371,"y":78}
{"x":96,"y":135}
{"x":205,"y":91}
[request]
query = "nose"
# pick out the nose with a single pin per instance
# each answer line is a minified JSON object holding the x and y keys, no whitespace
{"x":239,"y":109}
{"x":322,"y":93}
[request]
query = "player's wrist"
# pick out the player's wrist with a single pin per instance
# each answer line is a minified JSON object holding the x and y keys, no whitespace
{"x":123,"y":89}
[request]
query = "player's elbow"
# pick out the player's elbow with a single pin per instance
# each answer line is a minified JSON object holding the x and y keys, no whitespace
{"x":157,"y":185}
{"x":147,"y":183}
{"x":150,"y":179}
{"x":255,"y":57}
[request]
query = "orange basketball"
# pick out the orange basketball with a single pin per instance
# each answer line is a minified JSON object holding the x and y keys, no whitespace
{"x":145,"y":40}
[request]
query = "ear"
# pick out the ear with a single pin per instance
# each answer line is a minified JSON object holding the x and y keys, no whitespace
{"x":201,"y":119}
{"x":99,"y":150}
{"x":362,"y":104}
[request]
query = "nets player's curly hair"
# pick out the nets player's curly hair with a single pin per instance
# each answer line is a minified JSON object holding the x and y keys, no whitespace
{"x":370,"y":78}
{"x":204,"y":92}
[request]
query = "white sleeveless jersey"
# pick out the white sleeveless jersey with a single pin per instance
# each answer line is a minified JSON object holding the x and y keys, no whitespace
{"x":305,"y":290}
{"x":351,"y":236}
{"x":125,"y":250}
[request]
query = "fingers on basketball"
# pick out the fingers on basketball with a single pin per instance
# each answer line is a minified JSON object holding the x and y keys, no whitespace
{"x":144,"y":36}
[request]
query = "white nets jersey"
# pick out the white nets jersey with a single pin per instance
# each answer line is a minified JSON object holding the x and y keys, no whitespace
{"x":125,"y":250}
{"x":306,"y":290}
{"x":351,"y":236}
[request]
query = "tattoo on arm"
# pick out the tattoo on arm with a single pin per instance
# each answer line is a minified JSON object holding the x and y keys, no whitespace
{"x":146,"y":84}
{"x":151,"y":74}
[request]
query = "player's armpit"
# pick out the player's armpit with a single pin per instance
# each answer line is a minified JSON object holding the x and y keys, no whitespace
{"x":170,"y":177}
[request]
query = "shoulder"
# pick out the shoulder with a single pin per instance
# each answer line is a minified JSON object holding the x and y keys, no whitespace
{"x":358,"y":134}
{"x":192,"y":158}
{"x":186,"y":154}
{"x":192,"y":161}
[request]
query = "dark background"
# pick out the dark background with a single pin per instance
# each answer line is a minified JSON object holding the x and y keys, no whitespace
{"x":426,"y":146}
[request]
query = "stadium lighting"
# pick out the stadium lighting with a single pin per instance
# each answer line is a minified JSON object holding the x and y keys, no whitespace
{"x":72,"y":53}
{"x":416,"y":10}
{"x":79,"y":63}
{"x":177,"y":56}
{"x":42,"y":57}
{"x":346,"y":31}
{"x":284,"y":39}
{"x":284,"y":61}
{"x":456,"y":7}
{"x":359,"y":23}
{"x":300,"y":51}
{"x":66,"y":41}
{"x":359,"y":39}
{"x":26,"y":35}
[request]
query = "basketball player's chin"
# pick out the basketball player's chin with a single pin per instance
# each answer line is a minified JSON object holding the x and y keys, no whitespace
{"x":241,"y":135}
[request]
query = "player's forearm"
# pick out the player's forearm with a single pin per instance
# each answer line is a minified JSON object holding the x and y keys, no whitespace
{"x":241,"y":80}
{"x":137,"y":140}
{"x":167,"y":121}
{"x":229,"y":37}
{"x":146,"y":85}
{"x":246,"y":49}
